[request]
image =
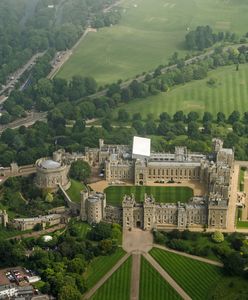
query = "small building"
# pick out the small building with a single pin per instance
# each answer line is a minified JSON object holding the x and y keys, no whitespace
{"x":7,"y":291}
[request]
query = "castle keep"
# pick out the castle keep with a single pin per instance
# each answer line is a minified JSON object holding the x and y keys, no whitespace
{"x":142,"y":167}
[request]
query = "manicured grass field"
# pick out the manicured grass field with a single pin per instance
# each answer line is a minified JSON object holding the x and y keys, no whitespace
{"x":195,"y":277}
{"x":241,"y":179}
{"x":148,"y":34}
{"x":100,"y":266}
{"x":153,"y":286}
{"x":229,"y":94}
{"x":118,"y":285}
{"x":169,"y":194}
{"x":74,"y":190}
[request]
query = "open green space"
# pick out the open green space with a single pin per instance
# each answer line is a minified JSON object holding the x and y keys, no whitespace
{"x":229,"y":94}
{"x":230,"y":288}
{"x":242,"y":224}
{"x":195,"y":277}
{"x":118,"y":285}
{"x":82,"y":228}
{"x":74,"y":190}
{"x":241,"y":179}
{"x":102,"y":264}
{"x":148,"y":34}
{"x":153,"y":286}
{"x":163,"y":194}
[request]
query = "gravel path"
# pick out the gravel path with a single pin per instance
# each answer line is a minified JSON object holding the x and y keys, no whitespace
{"x":135,"y":279}
{"x":92,"y":291}
{"x":166,"y":276}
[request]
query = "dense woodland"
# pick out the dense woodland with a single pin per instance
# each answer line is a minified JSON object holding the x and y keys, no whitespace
{"x":62,"y":262}
{"x":31,"y":26}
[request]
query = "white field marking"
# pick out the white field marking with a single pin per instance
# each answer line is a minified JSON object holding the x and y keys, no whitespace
{"x":166,"y":4}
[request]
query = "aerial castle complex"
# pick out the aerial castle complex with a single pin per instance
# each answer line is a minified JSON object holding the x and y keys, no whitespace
{"x":143,"y":167}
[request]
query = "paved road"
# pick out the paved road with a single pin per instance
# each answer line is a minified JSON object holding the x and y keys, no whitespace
{"x":205,"y":260}
{"x":135,"y":277}
{"x":166,"y":276}
{"x":125,"y":84}
{"x":10,"y":84}
{"x":28,"y":121}
{"x":92,"y":291}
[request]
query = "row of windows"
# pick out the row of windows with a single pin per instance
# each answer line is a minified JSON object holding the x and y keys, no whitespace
{"x":171,"y":172}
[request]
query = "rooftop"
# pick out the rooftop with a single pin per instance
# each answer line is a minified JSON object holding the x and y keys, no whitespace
{"x":50,"y":164}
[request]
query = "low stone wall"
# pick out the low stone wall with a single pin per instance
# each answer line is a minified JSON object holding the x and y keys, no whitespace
{"x":74,"y":207}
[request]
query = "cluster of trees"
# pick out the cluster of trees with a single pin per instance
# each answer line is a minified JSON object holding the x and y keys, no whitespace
{"x":203,"y":37}
{"x":26,"y":145}
{"x":233,"y":253}
{"x":80,"y":170}
{"x":27,"y":27}
{"x":61,"y":262}
{"x":23,"y":198}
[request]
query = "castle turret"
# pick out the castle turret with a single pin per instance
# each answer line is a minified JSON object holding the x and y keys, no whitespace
{"x":128,"y":207}
{"x":149,"y":212}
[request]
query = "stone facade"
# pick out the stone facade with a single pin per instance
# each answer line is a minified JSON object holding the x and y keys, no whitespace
{"x":214,"y":171}
{"x":50,"y":173}
{"x":29,"y":223}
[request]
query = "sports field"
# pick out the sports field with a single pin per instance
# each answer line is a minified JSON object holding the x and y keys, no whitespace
{"x":198,"y":279}
{"x":168,"y":194}
{"x":148,"y":34}
{"x":153,"y":286}
{"x":229,"y":94}
{"x":118,"y":285}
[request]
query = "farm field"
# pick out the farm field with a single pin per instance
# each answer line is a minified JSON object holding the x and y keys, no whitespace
{"x":148,"y":34}
{"x":153,"y":286}
{"x":196,"y":278}
{"x":169,"y":194}
{"x":102,"y":264}
{"x":229,"y":94}
{"x":118,"y":285}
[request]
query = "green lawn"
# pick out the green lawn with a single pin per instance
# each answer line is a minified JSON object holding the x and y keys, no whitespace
{"x":169,"y":194}
{"x":242,"y":224}
{"x":230,"y":288}
{"x":241,"y":179}
{"x":118,"y":285}
{"x":148,"y":34}
{"x":83,"y":228}
{"x":153,"y":286}
{"x":74,"y":190}
{"x":230,"y":93}
{"x":100,"y":266}
{"x":198,"y":279}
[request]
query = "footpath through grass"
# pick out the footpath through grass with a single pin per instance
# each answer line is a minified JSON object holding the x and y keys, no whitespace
{"x":74,"y":190}
{"x":162,"y":194}
{"x":230,"y":93}
{"x":100,"y":266}
{"x":118,"y":285}
{"x":148,"y":34}
{"x":153,"y":286}
{"x":198,"y":279}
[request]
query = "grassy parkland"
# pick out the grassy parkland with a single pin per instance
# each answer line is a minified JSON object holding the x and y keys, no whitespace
{"x":148,"y":34}
{"x":118,"y":285}
{"x":152,"y":284}
{"x":162,"y":194}
{"x":195,"y":277}
{"x":228,"y":94}
{"x":102,"y":264}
